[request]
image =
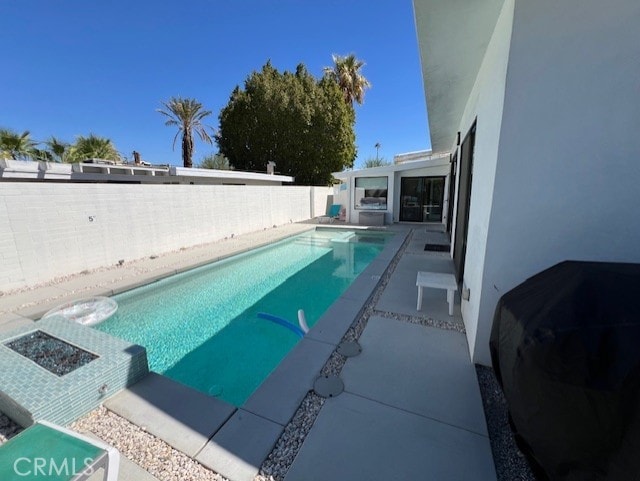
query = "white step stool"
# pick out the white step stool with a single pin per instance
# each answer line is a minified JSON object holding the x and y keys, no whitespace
{"x":437,"y":280}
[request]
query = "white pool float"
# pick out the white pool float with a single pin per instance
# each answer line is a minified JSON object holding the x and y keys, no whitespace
{"x":88,"y":312}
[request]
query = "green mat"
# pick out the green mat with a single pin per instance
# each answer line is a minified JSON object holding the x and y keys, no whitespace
{"x":45,"y":454}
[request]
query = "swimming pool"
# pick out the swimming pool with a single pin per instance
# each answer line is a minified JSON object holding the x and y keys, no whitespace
{"x":201,"y":327}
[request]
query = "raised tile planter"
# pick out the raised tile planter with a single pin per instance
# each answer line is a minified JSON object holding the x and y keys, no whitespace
{"x":29,"y":392}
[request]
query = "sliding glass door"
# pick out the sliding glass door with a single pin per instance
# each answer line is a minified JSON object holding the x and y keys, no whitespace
{"x":421,"y":199}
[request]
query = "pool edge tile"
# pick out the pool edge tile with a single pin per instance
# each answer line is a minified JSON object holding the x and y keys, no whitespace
{"x":281,"y":393}
{"x":241,"y":445}
{"x":172,"y":411}
{"x":335,"y":321}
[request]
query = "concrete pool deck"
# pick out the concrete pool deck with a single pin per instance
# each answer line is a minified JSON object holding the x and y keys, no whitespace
{"x":20,"y":306}
{"x":411,"y":406}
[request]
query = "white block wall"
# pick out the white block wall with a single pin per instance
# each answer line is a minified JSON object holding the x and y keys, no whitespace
{"x":49,"y":230}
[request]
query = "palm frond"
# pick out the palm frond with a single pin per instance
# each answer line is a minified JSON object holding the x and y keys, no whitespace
{"x":186,"y":114}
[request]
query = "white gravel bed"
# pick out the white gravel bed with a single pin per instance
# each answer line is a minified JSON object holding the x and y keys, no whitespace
{"x":423,"y":321}
{"x":511,"y":465}
{"x":8,"y":428}
{"x":275,"y":467}
{"x":144,"y":449}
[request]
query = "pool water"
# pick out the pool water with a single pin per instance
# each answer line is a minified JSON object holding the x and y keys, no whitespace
{"x":201,"y":328}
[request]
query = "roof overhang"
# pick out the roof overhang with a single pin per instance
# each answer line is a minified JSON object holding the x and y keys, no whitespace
{"x":453,"y":36}
{"x":435,"y":161}
{"x":110,"y":172}
{"x":230,"y":175}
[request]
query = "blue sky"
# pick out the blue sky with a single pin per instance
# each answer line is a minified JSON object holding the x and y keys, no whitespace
{"x":78,"y":67}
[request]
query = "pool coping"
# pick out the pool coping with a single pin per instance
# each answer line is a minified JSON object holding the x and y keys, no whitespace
{"x":278,"y":397}
{"x":264,"y":415}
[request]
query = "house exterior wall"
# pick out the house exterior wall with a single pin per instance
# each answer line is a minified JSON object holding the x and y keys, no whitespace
{"x":353,"y":214}
{"x":486,"y":105}
{"x":435,"y":171}
{"x":566,"y":177}
{"x":346,"y":196}
{"x":54,"y":229}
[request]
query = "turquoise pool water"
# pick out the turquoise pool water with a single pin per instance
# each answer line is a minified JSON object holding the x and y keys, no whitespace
{"x":201,"y":327}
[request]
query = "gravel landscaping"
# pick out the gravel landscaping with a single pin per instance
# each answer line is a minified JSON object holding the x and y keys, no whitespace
{"x":510,"y":463}
{"x":8,"y":428}
{"x":168,"y":464}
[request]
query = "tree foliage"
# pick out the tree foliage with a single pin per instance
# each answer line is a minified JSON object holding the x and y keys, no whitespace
{"x":300,"y":123}
{"x":186,"y":114}
{"x":346,"y":71}
{"x":375,"y":162}
{"x":92,"y":147}
{"x":23,"y":147}
{"x":58,"y":149}
{"x":17,"y":146}
{"x":215,"y":161}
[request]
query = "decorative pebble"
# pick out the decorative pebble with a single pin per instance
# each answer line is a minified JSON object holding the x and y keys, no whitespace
{"x":509,"y":461}
{"x":51,"y":353}
{"x":167,"y":464}
{"x":8,"y":428}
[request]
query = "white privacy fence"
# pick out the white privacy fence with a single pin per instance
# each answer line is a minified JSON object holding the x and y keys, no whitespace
{"x":54,"y":229}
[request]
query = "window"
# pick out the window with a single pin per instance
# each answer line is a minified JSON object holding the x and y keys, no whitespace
{"x":371,"y":193}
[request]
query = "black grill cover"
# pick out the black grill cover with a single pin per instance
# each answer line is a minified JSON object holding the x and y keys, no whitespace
{"x":565,"y":346}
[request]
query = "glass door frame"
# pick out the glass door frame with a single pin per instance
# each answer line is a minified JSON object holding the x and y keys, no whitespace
{"x":421,"y":200}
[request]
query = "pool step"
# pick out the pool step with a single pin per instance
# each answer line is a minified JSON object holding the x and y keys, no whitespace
{"x":325,"y":241}
{"x":346,"y":237}
{"x":310,"y":241}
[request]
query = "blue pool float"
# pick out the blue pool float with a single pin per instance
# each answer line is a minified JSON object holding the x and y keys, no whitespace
{"x":282,"y":322}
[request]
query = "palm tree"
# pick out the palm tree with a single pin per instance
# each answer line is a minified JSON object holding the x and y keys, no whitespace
{"x":16,"y":146}
{"x":57,"y":149}
{"x":346,"y":72}
{"x":92,"y":147}
{"x":187,"y":115}
{"x":377,"y":146}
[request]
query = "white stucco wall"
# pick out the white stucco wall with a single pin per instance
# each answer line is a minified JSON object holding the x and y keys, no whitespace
{"x":439,"y":167}
{"x":432,"y":171}
{"x":353,"y":214}
{"x":567,"y":174}
{"x":485,"y":103}
{"x":53,"y":229}
{"x":319,"y":200}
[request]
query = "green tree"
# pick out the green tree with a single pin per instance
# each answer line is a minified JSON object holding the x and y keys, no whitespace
{"x":17,"y":146}
{"x":41,"y":154}
{"x":346,"y":72}
{"x":292,"y":119}
{"x":92,"y":147}
{"x":57,"y":149}
{"x":375,"y":162}
{"x":187,"y":114}
{"x":215,"y":161}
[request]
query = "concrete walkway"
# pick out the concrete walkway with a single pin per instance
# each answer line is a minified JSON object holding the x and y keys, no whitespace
{"x":411,"y":408}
